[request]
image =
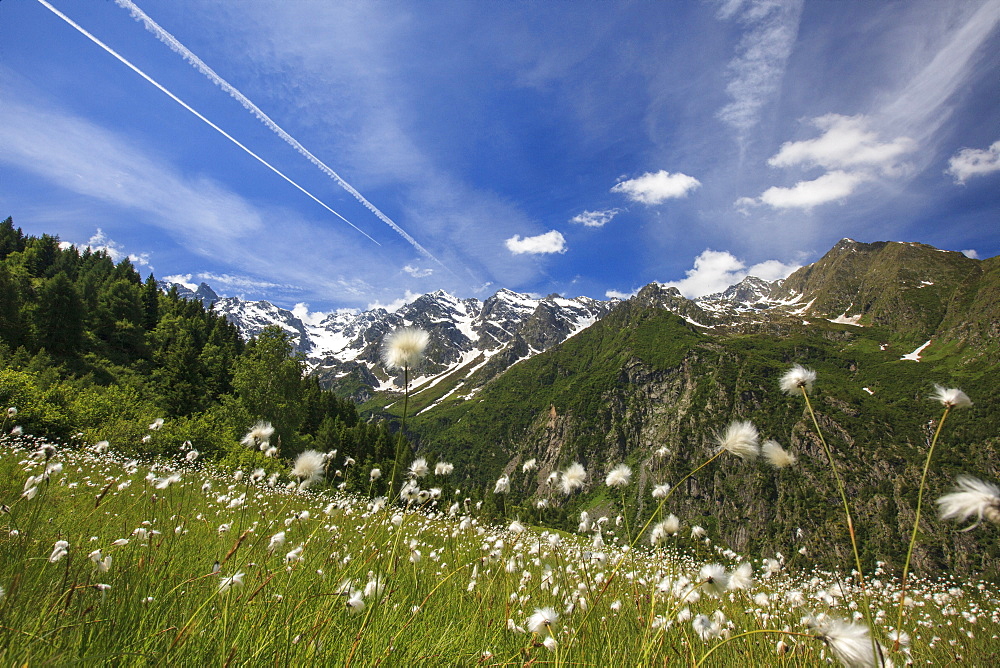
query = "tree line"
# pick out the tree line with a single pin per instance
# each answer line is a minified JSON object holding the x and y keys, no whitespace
{"x":91,"y":351}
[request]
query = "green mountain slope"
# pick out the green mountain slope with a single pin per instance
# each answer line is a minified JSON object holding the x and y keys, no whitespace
{"x":643,"y":378}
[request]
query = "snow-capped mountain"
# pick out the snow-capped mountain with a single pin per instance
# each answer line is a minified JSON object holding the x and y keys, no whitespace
{"x":202,"y":293}
{"x":473,"y":341}
{"x":343,"y":348}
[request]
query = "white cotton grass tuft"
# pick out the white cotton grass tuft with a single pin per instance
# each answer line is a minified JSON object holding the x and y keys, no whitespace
{"x":443,"y":468}
{"x":951,"y":397}
{"x":619,"y":476}
{"x":740,"y":439}
{"x":661,"y":491}
{"x":741,"y":577}
{"x":972,"y":498}
{"x":259,"y":435}
{"x":776,"y":455}
{"x":714,"y":579}
{"x":277,"y":540}
{"x":59,"y":550}
{"x":404,"y":348}
{"x":502,"y":485}
{"x":797,"y":379}
{"x":542,"y":620}
{"x":309,"y":467}
{"x":850,"y":643}
{"x":573,"y":478}
{"x":233,"y":581}
{"x":706,"y":628}
{"x":661,"y":530}
{"x":419,"y":467}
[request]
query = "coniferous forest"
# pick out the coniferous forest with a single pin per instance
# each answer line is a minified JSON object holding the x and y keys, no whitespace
{"x":91,"y":351}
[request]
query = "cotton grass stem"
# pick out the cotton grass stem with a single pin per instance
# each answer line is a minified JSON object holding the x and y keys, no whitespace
{"x":847,"y":515}
{"x":640,"y":534}
{"x":916,"y":523}
{"x":704,"y":657}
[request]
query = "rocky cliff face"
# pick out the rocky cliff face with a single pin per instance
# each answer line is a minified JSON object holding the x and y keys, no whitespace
{"x":655,"y":381}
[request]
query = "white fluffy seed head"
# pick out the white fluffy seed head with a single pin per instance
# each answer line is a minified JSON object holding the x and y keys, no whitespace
{"x":740,"y":439}
{"x":542,"y":620}
{"x":404,"y":348}
{"x":796,"y":379}
{"x":619,"y":476}
{"x":972,"y":498}
{"x":309,"y":467}
{"x":573,"y":478}
{"x":849,"y":643}
{"x":776,"y":455}
{"x":419,"y":468}
{"x":714,"y":579}
{"x":951,"y":397}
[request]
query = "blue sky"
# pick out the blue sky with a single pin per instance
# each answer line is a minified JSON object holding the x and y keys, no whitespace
{"x":580,"y":148}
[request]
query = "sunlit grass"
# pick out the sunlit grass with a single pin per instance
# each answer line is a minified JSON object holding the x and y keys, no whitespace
{"x":355,"y":584}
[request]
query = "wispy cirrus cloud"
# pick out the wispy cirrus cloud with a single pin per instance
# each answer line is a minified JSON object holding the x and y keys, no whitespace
{"x":657,"y":187}
{"x":418,"y":272}
{"x":90,"y":160}
{"x":244,"y":283}
{"x":757,"y":69}
{"x":76,"y":156}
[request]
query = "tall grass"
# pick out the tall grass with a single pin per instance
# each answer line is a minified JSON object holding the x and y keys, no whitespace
{"x":202,"y":580}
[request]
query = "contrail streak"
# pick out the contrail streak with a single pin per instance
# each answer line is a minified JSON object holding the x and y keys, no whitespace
{"x":189,"y":108}
{"x":207,"y":71}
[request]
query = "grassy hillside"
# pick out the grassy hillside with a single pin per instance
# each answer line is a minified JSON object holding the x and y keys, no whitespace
{"x":112,"y":561}
{"x":642,"y":379}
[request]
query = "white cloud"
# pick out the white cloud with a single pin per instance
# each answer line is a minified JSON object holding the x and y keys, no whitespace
{"x":417,"y":272}
{"x":771,"y":270}
{"x":394,"y":306}
{"x":830,"y":187}
{"x":971,"y":162}
{"x":615,"y":294}
{"x":243,"y":282}
{"x":657,"y":187}
{"x":101,"y":242}
{"x":762,"y":55}
{"x":181,"y":279}
{"x":846,"y":142}
{"x":595,"y":218}
{"x":550,"y":242}
{"x":971,"y":253}
{"x":302,"y":312}
{"x":714,"y":271}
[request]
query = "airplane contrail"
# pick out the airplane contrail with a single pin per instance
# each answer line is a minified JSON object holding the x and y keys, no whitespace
{"x":181,"y":102}
{"x":247,"y":104}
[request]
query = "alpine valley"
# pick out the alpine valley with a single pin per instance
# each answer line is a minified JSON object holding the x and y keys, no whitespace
{"x":522,"y":387}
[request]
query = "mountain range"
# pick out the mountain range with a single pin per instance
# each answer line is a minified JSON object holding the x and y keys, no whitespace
{"x":522,"y":387}
{"x":474,"y":341}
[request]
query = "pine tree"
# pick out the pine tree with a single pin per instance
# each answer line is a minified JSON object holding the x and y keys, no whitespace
{"x":58,"y":317}
{"x":268,"y":382}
